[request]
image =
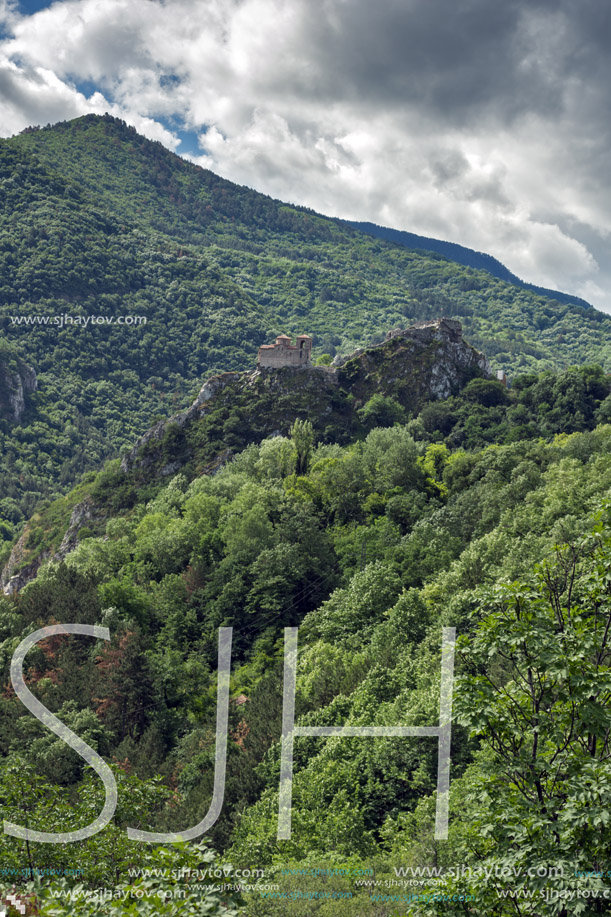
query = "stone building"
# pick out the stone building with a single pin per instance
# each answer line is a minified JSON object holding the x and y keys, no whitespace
{"x":284,"y":353}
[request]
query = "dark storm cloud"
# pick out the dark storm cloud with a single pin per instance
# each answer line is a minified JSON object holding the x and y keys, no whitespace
{"x":457,"y":60}
{"x":462,"y":61}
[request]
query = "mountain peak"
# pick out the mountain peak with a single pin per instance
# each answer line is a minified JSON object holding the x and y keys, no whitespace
{"x":83,"y":121}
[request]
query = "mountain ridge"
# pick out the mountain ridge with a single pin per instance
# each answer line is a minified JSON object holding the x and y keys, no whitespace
{"x":453,"y":251}
{"x":463,"y":255}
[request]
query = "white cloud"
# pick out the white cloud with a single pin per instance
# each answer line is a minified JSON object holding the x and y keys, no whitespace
{"x":34,"y":95}
{"x":8,"y":12}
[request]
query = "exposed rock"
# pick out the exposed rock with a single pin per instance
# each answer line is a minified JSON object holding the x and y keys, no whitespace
{"x":425,"y":332}
{"x":170,"y":468}
{"x":17,"y":582}
{"x":212,"y":387}
{"x":16,"y":575}
{"x":426,"y":361}
{"x":82,"y":514}
{"x":17,"y":381}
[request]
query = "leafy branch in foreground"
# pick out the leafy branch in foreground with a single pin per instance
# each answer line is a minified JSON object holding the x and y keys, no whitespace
{"x":538,"y":696}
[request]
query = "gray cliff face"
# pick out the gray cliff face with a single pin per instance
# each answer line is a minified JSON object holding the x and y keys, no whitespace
{"x":454,"y":357}
{"x":453,"y":354}
{"x":17,"y":381}
{"x":16,"y":575}
{"x":427,"y":361}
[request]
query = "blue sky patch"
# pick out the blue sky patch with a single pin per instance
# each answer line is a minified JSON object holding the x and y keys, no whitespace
{"x":188,"y":143}
{"x":27,"y":7}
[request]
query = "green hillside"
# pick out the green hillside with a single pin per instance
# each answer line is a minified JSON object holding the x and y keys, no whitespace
{"x":369,"y":548}
{"x":388,"y":383}
{"x":369,"y":504}
{"x":233,"y":410}
{"x":95,"y":220}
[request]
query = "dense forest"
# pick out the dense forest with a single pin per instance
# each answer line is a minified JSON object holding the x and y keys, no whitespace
{"x":97,"y":221}
{"x":372,"y":518}
{"x":462,"y":255}
{"x":465,"y":516}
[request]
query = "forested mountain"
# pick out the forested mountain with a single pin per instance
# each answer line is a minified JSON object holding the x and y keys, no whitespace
{"x":370,"y":504}
{"x":97,"y":221}
{"x":462,"y":255}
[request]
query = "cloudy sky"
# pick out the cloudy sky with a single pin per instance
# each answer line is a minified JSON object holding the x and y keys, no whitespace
{"x":482,"y":122}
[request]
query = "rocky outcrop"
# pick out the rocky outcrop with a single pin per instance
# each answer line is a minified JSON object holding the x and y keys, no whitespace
{"x":83,"y":515}
{"x":17,"y":381}
{"x":15,"y":582}
{"x":17,"y":574}
{"x":209,"y":389}
{"x":426,"y":361}
{"x":262,"y":389}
